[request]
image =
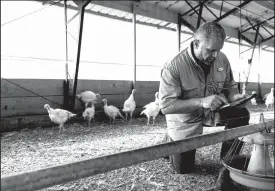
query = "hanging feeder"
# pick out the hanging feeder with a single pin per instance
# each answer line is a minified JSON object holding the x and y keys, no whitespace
{"x":254,"y":166}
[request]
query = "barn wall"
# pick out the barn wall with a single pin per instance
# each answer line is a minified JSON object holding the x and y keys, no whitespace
{"x":16,"y":101}
{"x":253,"y":86}
{"x":20,"y":108}
{"x":116,"y":92}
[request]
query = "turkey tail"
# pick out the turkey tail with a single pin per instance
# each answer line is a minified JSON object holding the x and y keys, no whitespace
{"x":72,"y":114}
{"x":120,"y":115}
{"x":126,"y":110}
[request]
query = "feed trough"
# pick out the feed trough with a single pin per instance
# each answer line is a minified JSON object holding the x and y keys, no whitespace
{"x":254,"y":166}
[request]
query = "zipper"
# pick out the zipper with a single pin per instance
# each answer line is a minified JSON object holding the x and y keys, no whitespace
{"x":205,"y":87}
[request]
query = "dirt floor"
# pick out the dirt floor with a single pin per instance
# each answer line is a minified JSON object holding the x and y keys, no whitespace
{"x":32,"y":149}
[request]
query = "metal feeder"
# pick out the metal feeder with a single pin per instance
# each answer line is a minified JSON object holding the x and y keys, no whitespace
{"x":255,"y":169}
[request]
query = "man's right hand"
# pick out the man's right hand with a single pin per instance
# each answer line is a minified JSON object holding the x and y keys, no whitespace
{"x":213,"y":102}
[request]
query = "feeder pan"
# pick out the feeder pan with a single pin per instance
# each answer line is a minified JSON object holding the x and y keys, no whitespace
{"x":239,"y":174}
{"x":256,"y":169}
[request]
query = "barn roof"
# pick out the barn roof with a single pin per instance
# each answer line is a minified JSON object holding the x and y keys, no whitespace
{"x":243,"y":16}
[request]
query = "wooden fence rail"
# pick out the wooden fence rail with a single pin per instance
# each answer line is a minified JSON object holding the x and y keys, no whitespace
{"x":60,"y":174}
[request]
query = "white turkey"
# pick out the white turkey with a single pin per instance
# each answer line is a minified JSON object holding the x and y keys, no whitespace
{"x":129,"y":105}
{"x":111,"y":111}
{"x":269,"y":101}
{"x":253,"y":100}
{"x":88,"y":97}
{"x":59,"y":116}
{"x":152,"y":109}
{"x":89,"y":114}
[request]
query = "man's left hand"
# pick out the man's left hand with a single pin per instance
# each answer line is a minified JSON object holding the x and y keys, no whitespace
{"x":237,"y":96}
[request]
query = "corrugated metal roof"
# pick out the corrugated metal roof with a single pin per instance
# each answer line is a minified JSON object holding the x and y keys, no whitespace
{"x":163,"y":14}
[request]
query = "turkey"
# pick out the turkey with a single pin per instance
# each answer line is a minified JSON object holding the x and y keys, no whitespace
{"x":253,"y":100}
{"x":152,"y":109}
{"x":59,"y":116}
{"x":88,"y":97}
{"x":89,"y":114}
{"x":269,"y":99}
{"x":111,"y":111}
{"x":129,"y":105}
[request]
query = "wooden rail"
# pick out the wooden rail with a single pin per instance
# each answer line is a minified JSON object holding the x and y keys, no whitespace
{"x":60,"y":174}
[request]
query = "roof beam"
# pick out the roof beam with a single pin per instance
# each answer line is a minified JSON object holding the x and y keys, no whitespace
{"x":210,"y":11}
{"x":142,"y":8}
{"x":267,"y":39}
{"x":232,"y":10}
{"x":216,"y":7}
{"x":192,"y":9}
{"x":247,"y":40}
{"x":199,"y":14}
{"x":258,"y":23}
{"x":254,"y":27}
{"x":266,"y":5}
{"x":229,"y":32}
{"x":188,"y":25}
{"x":267,"y":30}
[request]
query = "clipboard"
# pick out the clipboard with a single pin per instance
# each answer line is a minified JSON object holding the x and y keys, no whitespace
{"x":238,"y":102}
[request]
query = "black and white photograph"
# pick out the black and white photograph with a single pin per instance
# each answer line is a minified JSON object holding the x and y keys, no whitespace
{"x":137,"y":95}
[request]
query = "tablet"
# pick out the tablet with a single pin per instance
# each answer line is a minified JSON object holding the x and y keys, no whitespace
{"x":239,"y":102}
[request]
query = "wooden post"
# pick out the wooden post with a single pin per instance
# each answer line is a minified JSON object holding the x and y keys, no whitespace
{"x":135,"y":45}
{"x":60,"y":174}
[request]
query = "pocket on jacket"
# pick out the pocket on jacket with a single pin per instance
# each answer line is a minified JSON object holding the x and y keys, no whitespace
{"x":215,"y":87}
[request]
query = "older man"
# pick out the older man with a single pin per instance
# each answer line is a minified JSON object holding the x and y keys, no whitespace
{"x":193,"y":85}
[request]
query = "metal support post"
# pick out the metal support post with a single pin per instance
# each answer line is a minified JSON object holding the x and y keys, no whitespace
{"x":82,"y":12}
{"x":135,"y":45}
{"x":233,"y":10}
{"x":66,"y":82}
{"x":199,"y":15}
{"x":250,"y":60}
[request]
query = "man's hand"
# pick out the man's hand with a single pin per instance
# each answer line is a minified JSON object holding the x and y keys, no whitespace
{"x":237,"y":96}
{"x":213,"y":102}
{"x":233,"y":95}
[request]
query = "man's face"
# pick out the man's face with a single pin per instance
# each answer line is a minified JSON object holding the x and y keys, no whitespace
{"x":207,"y":50}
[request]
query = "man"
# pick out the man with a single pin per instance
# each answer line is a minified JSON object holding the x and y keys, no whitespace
{"x":193,"y":86}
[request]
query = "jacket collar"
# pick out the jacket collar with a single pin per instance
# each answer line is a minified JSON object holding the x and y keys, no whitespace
{"x":189,"y":50}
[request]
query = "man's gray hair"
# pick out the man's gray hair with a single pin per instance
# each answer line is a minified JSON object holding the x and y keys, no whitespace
{"x":209,"y":30}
